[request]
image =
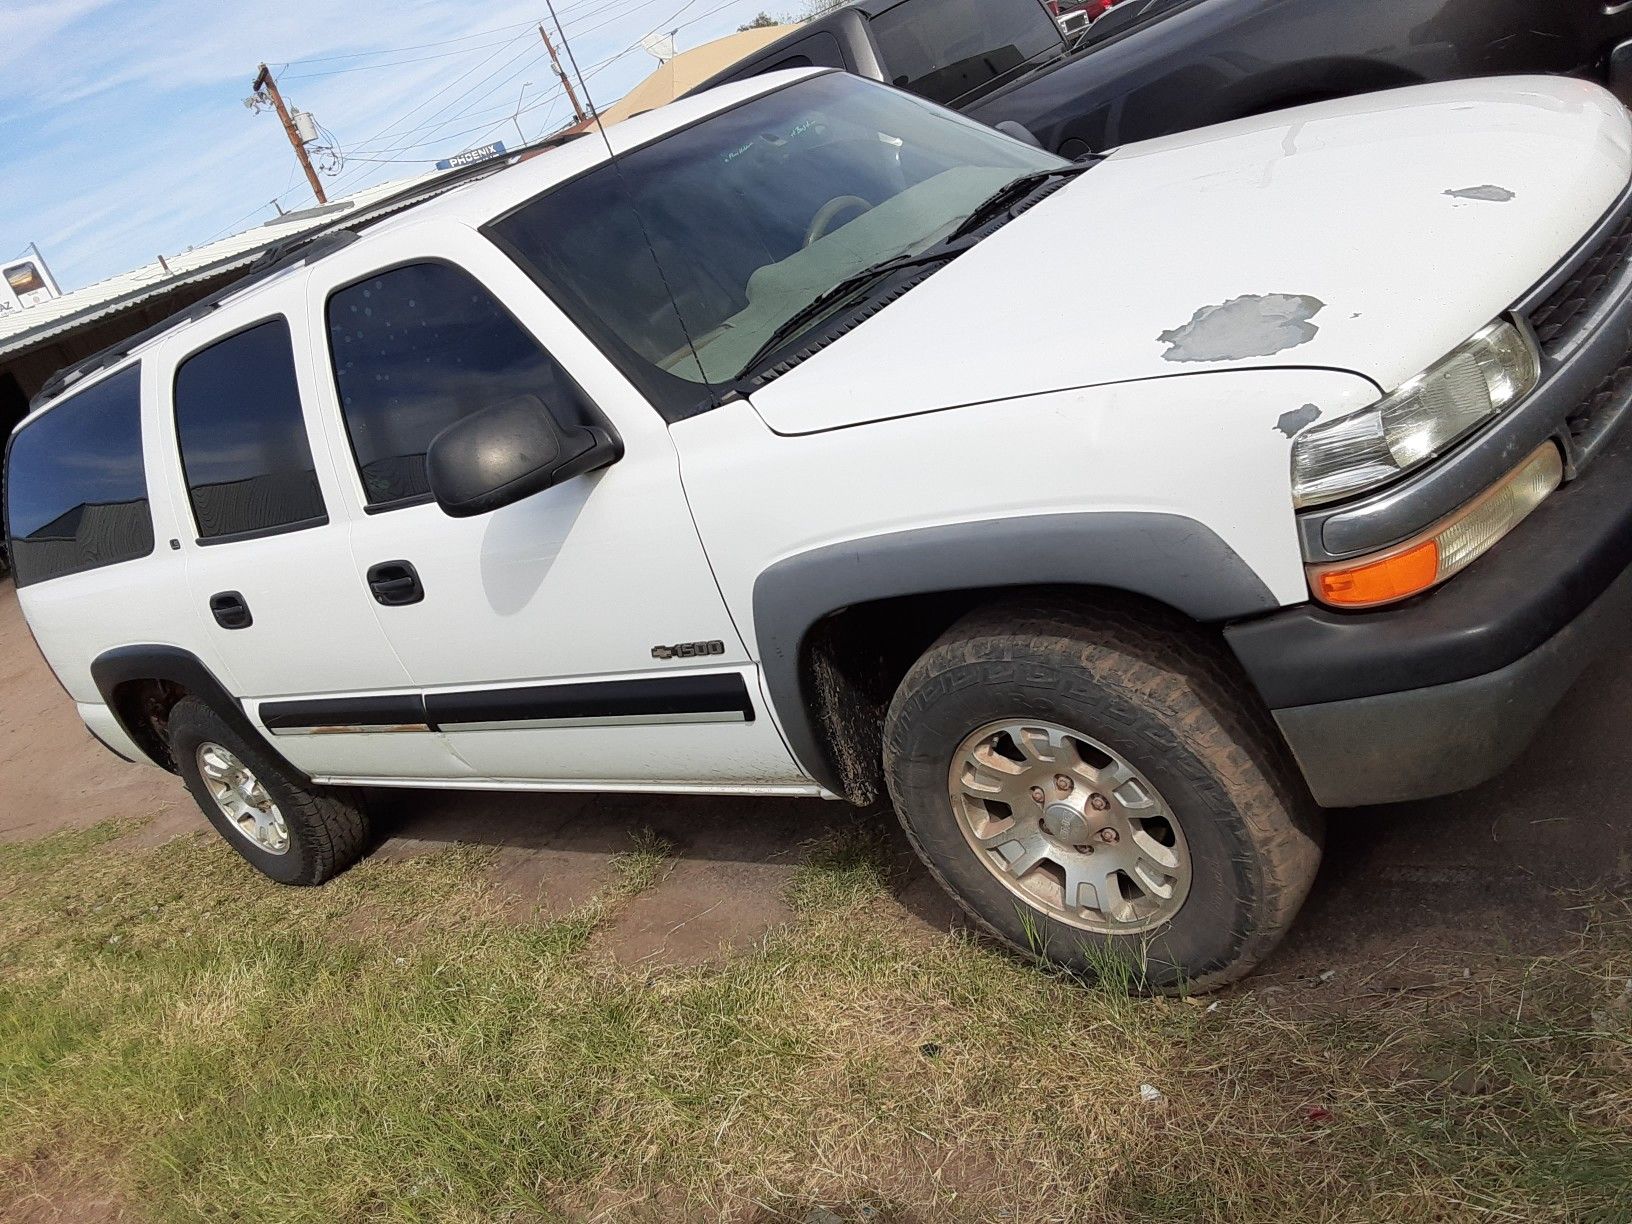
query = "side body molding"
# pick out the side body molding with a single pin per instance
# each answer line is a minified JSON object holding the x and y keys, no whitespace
{"x":114,"y":667}
{"x":1174,"y":560}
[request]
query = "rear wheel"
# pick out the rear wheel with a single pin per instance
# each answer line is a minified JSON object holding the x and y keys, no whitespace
{"x":1094,"y":788}
{"x":289,"y":830}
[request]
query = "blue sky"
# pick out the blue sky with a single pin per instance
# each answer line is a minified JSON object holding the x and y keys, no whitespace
{"x":123,"y":133}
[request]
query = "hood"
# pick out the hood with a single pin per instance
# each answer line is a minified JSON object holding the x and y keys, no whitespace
{"x":1370,"y":234}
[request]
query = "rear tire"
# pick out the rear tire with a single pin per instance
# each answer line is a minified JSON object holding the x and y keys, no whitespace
{"x":1173,"y":842}
{"x":287,"y":829}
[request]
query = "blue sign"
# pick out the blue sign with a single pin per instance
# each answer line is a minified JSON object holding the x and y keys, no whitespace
{"x":471,"y":156}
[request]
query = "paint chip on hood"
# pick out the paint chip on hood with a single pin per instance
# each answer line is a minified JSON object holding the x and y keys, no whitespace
{"x":1494,"y":194}
{"x":1290,"y":422}
{"x":1257,"y":325}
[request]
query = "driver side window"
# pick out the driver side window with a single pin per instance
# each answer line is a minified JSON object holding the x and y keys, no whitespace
{"x":416,"y":348}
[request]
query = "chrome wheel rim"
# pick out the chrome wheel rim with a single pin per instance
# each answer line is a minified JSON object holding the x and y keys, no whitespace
{"x":241,"y":798}
{"x":1070,"y":827}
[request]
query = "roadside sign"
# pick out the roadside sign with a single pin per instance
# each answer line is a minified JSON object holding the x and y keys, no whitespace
{"x":26,"y":283}
{"x":471,"y":156}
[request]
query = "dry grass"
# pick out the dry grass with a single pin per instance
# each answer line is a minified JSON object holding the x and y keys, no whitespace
{"x":206,"y":1044}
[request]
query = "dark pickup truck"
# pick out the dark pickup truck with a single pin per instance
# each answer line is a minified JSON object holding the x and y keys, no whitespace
{"x":1149,"y":67}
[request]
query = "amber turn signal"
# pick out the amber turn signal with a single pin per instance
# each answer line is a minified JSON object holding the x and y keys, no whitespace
{"x":1384,"y":580}
{"x":1447,"y":547}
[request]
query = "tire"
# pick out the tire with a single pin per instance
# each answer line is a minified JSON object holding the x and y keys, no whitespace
{"x":324,"y":830}
{"x":1135,"y":683}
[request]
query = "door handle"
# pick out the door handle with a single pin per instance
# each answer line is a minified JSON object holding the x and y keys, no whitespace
{"x":395,"y":584}
{"x":230,"y":610}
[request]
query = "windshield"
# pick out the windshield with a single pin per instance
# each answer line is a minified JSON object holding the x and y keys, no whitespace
{"x":948,"y":49}
{"x":752,"y":214}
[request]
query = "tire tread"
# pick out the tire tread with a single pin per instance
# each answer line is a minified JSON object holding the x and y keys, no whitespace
{"x":1173,"y":664}
{"x":334,"y":819}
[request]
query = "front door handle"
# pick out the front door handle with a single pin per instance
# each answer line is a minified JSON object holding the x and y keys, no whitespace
{"x":230,"y":610}
{"x":395,"y":584}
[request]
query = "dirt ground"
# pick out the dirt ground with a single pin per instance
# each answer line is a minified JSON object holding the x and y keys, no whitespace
{"x":1494,"y":872}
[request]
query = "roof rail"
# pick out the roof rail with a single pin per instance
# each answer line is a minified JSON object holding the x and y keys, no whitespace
{"x":302,"y":248}
{"x":290,"y":253}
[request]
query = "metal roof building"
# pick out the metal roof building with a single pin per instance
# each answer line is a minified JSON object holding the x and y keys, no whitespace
{"x":38,"y":341}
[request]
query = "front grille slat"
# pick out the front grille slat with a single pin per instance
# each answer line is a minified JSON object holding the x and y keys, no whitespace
{"x":1590,"y":424}
{"x":1583,"y":291}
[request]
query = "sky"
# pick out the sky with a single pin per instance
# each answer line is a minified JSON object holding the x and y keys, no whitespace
{"x":123,"y":133}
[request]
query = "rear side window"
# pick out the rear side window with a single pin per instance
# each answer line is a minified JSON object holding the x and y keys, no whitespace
{"x":76,"y":492}
{"x":949,"y":49}
{"x":243,"y":437}
{"x":417,"y":348}
{"x":820,"y":50}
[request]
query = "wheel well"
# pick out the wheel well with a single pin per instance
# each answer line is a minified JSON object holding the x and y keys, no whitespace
{"x":143,"y":708}
{"x":852,"y":661}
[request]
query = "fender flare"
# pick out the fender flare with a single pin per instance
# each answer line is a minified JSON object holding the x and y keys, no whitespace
{"x":1165,"y":557}
{"x":123,"y":664}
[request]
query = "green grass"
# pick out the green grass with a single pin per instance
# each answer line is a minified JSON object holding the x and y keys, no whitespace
{"x":203,"y":1044}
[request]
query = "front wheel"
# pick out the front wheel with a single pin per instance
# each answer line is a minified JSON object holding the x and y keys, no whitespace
{"x":1090,"y":785}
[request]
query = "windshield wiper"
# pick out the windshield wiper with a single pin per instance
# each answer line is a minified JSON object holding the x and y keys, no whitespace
{"x":829,"y":300}
{"x":1010,"y":194}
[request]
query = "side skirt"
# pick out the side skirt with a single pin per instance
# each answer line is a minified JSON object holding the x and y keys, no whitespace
{"x":767,"y":790}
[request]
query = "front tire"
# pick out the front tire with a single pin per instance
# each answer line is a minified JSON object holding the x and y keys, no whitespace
{"x":287,"y":829}
{"x":1091,"y":784}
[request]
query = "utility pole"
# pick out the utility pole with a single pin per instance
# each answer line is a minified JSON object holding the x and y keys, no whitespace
{"x":572,"y":97}
{"x":264,"y":82}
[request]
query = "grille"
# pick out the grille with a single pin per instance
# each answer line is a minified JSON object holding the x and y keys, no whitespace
{"x":1602,"y":408}
{"x":1588,"y":286}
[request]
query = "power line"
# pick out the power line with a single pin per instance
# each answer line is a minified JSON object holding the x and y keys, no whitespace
{"x":367,"y":153}
{"x":432,"y":97}
{"x":461,"y":115}
{"x":422,"y":59}
{"x":326,"y":59}
{"x":485,"y":126}
{"x":496,"y":111}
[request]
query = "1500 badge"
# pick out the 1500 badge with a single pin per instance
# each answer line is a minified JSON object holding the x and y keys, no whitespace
{"x":688,"y":650}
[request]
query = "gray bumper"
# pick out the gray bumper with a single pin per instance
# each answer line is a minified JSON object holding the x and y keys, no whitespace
{"x":1424,"y":742}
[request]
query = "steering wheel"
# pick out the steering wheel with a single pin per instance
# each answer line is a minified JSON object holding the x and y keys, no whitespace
{"x":823,"y":220}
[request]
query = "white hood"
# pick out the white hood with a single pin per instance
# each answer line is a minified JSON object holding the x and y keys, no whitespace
{"x":1371,"y":234}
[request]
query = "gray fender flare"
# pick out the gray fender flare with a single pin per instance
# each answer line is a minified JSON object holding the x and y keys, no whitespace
{"x":1168,"y":558}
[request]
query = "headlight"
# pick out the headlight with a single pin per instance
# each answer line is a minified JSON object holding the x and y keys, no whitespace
{"x":1367,"y":448}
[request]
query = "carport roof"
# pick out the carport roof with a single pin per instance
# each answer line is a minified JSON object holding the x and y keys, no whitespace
{"x":22,"y":330}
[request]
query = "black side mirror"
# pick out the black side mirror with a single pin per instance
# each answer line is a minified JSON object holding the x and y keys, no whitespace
{"x":508,"y":451}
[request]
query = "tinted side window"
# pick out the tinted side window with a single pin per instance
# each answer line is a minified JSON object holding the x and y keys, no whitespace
{"x":820,"y":49}
{"x":415,"y":349}
{"x":243,"y":436}
{"x":76,"y":493}
{"x":948,"y":49}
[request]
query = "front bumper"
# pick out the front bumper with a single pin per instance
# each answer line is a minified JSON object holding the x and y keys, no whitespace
{"x":1443,"y":692}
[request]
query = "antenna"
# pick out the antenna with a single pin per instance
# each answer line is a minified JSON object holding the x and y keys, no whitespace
{"x":617,"y":167}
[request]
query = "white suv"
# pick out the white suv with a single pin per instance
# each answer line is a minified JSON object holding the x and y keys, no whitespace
{"x":751,"y":460}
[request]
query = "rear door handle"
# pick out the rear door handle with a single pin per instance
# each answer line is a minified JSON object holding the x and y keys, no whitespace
{"x":395,"y":584}
{"x":230,"y":610}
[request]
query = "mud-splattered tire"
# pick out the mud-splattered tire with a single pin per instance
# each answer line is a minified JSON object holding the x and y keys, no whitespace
{"x":1135,"y":684}
{"x":291,"y":831}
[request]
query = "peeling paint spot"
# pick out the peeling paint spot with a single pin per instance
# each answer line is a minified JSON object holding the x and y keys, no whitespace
{"x":1495,"y":195}
{"x":1291,"y":422}
{"x":1257,"y":325}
